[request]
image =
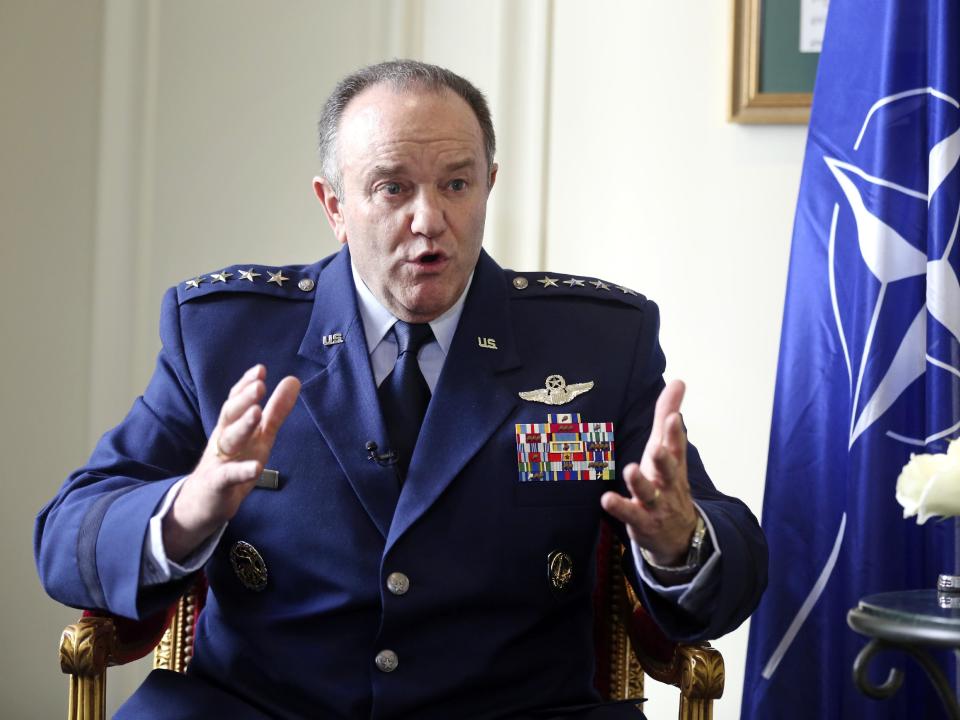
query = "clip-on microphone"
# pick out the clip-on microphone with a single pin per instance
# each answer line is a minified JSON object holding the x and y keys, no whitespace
{"x":382,"y":459}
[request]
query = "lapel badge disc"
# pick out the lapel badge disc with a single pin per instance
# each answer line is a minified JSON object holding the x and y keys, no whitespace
{"x":559,"y":570}
{"x":556,"y":391}
{"x":565,"y":448}
{"x":334,"y":339}
{"x":249,"y":566}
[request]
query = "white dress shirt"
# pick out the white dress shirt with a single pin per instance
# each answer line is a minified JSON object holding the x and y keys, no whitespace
{"x":382,"y":346}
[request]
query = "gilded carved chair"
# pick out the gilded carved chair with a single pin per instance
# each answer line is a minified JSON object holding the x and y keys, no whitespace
{"x":628,"y":646}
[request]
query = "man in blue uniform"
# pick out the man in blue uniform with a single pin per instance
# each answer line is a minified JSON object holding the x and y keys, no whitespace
{"x":406,"y":527}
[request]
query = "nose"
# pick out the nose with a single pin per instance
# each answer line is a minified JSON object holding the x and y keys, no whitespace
{"x":429,"y":218}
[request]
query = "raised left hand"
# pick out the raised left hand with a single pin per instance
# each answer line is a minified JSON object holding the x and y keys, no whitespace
{"x":659,"y":514}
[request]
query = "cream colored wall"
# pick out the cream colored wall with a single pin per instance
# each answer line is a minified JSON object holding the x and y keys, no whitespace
{"x":49,"y":77}
{"x":149,"y":140}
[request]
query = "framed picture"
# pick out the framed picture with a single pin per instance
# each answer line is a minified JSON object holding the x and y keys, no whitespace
{"x":775,"y":54}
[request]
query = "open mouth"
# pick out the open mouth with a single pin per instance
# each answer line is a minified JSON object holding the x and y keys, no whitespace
{"x":430,"y":260}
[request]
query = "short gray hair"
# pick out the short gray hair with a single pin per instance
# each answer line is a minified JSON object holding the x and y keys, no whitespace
{"x":401,"y":75}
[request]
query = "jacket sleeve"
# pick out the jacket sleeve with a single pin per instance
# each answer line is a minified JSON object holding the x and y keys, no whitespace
{"x":89,"y":540}
{"x":739,"y":581}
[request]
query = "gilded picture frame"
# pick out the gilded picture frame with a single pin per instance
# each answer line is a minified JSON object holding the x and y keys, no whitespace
{"x":754,"y":72}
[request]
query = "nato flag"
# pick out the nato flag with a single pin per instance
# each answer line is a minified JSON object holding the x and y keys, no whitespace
{"x":869,"y":357}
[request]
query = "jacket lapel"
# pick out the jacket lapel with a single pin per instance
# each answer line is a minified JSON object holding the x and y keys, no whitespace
{"x":342,"y":398}
{"x":470,"y":399}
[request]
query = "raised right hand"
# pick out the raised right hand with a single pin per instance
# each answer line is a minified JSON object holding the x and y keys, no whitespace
{"x":231,"y":463}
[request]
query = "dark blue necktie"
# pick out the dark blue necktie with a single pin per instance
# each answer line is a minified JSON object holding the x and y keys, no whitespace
{"x":404,"y":394}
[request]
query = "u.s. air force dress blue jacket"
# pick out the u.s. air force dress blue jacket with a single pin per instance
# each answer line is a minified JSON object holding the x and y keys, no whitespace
{"x":481,"y":632}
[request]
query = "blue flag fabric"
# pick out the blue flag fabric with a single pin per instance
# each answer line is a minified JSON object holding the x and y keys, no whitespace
{"x":869,"y":357}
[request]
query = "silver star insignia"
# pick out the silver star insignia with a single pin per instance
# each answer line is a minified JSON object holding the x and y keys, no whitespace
{"x":277,"y":277}
{"x":248,"y":274}
{"x":556,"y":391}
{"x":600,"y":285}
{"x":573,"y":282}
{"x":194,"y":283}
{"x":625,"y":291}
{"x":548,"y":281}
{"x":221,"y":276}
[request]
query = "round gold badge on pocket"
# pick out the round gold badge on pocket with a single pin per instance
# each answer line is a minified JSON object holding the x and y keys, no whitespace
{"x":249,"y":566}
{"x":560,"y":570}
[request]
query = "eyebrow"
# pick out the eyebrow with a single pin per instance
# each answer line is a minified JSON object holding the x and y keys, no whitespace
{"x":382,"y":170}
{"x":379,"y":171}
{"x":460,"y":165}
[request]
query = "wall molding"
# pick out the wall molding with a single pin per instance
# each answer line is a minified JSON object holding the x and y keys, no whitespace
{"x":118,"y":205}
{"x":525,"y":39}
{"x":401,"y":29}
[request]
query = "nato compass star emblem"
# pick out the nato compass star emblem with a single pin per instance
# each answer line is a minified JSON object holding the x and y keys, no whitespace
{"x":898,"y":220}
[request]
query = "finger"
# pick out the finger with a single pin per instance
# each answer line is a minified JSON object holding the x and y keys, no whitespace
{"x":257,"y":372}
{"x":671,"y":397}
{"x":621,"y":508}
{"x":235,"y":436}
{"x":236,"y":406}
{"x":666,"y":465}
{"x":240,"y":472}
{"x":279,"y":406}
{"x":639,"y":486}
{"x":675,"y":437}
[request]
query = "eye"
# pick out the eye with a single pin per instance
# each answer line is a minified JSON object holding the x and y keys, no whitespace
{"x":388,"y":187}
{"x":458,"y":185}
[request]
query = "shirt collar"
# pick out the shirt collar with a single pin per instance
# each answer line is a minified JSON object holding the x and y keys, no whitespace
{"x":377,"y":320}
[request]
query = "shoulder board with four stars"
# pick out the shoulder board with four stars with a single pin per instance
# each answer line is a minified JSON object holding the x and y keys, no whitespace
{"x":543,"y":284}
{"x":295,"y":282}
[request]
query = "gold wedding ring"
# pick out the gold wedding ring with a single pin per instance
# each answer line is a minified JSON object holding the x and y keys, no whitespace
{"x":221,"y":454}
{"x":652,"y":502}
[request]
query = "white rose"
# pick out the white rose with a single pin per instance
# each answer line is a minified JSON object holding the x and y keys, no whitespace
{"x":929,"y":485}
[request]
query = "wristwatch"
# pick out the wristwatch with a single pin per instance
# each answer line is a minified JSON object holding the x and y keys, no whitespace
{"x":700,"y":549}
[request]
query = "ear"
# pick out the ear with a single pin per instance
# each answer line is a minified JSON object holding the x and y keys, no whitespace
{"x":331,"y":207}
{"x":492,"y":177}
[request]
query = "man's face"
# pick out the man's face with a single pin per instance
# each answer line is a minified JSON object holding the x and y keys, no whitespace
{"x":415,"y":187}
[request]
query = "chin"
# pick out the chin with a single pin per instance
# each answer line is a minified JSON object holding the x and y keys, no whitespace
{"x":430,"y":305}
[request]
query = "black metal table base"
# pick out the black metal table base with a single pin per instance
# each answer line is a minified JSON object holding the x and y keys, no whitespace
{"x":895,"y":677}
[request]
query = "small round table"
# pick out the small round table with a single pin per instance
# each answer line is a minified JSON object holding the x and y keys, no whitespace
{"x":910,"y":621}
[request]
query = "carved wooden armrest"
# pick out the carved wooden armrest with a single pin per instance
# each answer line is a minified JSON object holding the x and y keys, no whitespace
{"x":699,"y":673}
{"x":697,"y":668}
{"x":86,"y":648}
{"x":98,"y":640}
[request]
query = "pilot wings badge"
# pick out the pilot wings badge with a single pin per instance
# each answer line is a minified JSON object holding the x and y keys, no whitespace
{"x":557,"y":392}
